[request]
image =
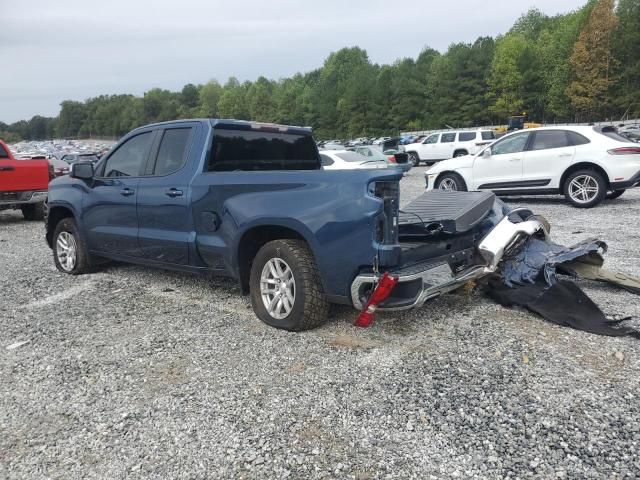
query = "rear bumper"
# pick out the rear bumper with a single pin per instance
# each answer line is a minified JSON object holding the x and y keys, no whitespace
{"x":421,"y":282}
{"x":15,"y":199}
{"x":632,"y":182}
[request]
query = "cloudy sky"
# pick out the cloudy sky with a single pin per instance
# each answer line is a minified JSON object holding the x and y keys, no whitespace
{"x":74,"y":49}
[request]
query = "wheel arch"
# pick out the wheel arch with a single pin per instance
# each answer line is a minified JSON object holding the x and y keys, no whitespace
{"x":451,"y":172}
{"x":583,"y":166}
{"x":55,"y":214}
{"x":254,"y":238}
{"x":460,"y":150}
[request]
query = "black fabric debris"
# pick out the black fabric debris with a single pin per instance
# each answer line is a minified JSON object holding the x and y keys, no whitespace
{"x":563,"y":303}
{"x":536,"y":257}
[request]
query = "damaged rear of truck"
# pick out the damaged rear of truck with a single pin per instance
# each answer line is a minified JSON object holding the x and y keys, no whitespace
{"x":251,"y":201}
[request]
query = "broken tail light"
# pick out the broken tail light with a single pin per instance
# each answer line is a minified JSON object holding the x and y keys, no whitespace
{"x":624,"y":151}
{"x":392,"y":159}
{"x":380,"y":294}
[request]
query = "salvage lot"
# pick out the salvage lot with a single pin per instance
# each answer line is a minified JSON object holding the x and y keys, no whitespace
{"x":145,"y":373}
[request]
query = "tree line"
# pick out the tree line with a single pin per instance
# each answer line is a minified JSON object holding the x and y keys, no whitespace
{"x":579,"y":66}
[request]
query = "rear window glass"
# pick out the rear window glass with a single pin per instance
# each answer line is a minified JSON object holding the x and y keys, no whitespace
{"x":577,"y":139}
{"x":467,"y":136}
{"x":326,"y":160}
{"x":173,"y":150}
{"x":547,"y":139}
{"x":612,"y":133}
{"x":448,"y":138}
{"x":488,"y":135}
{"x":248,"y":150}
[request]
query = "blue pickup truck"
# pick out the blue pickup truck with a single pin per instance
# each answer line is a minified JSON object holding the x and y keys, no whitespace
{"x":251,"y":201}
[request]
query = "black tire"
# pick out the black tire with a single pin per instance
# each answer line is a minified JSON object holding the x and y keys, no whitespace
{"x":615,"y":194}
{"x":460,"y":153}
{"x":592,"y":198}
{"x":33,"y":211}
{"x":82,"y":263}
{"x":414,"y":159}
{"x":310,"y":307}
{"x":453,"y":179}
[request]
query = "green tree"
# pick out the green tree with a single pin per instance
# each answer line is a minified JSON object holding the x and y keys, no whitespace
{"x":71,"y":118}
{"x":505,"y":80}
{"x":209,"y":96}
{"x":626,"y":41}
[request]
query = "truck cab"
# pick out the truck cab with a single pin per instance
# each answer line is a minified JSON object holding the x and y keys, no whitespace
{"x":23,"y":184}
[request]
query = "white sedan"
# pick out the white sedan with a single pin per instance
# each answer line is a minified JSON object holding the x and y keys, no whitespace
{"x":585,"y":164}
{"x":348,"y":160}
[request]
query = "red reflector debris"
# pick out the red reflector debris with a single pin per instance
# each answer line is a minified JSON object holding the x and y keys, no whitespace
{"x":379,"y":295}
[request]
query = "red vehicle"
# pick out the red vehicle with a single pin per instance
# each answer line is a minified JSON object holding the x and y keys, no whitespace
{"x":23,"y":184}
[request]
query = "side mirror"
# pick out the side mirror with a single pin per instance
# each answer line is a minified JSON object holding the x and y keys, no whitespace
{"x":82,"y":170}
{"x":486,"y":153}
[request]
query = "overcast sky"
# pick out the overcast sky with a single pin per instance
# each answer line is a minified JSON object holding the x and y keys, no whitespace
{"x":54,"y":50}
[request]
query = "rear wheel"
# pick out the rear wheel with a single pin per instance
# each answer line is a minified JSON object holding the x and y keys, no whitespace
{"x":585,"y":188}
{"x":452,"y":182}
{"x":286,"y":290}
{"x":615,"y":194}
{"x":414,"y":159}
{"x":33,"y":211}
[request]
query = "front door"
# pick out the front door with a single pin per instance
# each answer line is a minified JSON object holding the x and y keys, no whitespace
{"x":502,"y":169}
{"x":165,"y":221}
{"x":427,"y":150}
{"x":110,"y":212}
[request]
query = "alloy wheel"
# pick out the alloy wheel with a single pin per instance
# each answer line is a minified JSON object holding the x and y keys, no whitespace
{"x":583,"y":189}
{"x":448,"y":184}
{"x":277,"y":288}
{"x":67,"y":251}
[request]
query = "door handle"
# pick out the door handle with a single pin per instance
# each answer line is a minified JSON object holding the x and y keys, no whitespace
{"x":565,"y":155}
{"x":174,"y":192}
{"x":7,"y":168}
{"x":127,"y":192}
{"x":515,"y":159}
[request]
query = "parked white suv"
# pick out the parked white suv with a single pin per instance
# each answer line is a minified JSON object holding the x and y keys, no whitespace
{"x":585,"y":164}
{"x":445,"y":145}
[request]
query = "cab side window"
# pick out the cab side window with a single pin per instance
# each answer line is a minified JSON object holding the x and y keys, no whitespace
{"x":130,"y":158}
{"x":546,"y":139}
{"x":173,"y":151}
{"x":448,"y":138}
{"x":3,"y":152}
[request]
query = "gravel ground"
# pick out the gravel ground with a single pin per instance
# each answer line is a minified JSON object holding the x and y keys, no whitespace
{"x":137,"y":373}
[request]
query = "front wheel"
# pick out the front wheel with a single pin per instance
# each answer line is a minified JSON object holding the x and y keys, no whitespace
{"x":585,"y":188}
{"x":615,"y":194}
{"x":69,"y":251}
{"x":452,"y":182}
{"x":286,"y":289}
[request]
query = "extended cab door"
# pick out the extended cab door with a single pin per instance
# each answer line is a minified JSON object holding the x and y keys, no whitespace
{"x":164,"y":216}
{"x":550,"y":153}
{"x":110,"y":216}
{"x":503,"y":168}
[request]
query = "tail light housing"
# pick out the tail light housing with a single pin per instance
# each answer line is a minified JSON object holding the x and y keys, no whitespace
{"x":624,"y":151}
{"x":52,"y":173}
{"x":387,"y":222}
{"x":392,"y":159}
